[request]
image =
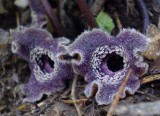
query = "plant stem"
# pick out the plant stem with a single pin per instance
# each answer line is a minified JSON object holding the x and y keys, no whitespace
{"x":53,"y":17}
{"x":87,"y":13}
{"x":144,"y":12}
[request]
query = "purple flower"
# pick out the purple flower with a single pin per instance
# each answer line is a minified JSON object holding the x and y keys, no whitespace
{"x":42,"y":52}
{"x":37,"y":13}
{"x":104,"y":61}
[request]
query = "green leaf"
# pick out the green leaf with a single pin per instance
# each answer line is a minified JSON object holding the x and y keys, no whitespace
{"x":105,"y":22}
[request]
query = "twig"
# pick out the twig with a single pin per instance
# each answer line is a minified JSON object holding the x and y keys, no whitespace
{"x":53,"y":17}
{"x":87,"y":13}
{"x":119,"y":24}
{"x":150,"y":78}
{"x":155,"y":38}
{"x":73,"y":95}
{"x":76,"y":101}
{"x":17,"y":19}
{"x":144,"y":12}
{"x":117,"y":97}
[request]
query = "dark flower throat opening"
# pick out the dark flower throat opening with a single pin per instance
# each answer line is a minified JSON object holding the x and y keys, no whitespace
{"x":114,"y":62}
{"x":45,"y":63}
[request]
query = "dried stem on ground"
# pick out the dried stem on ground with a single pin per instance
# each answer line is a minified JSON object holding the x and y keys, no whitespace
{"x":73,"y":95}
{"x":150,"y":78}
{"x":117,"y":97}
{"x":156,"y":38}
{"x":75,"y":101}
{"x":17,"y":19}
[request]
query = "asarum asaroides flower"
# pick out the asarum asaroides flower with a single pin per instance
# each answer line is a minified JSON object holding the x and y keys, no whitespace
{"x":48,"y":74}
{"x":104,"y":61}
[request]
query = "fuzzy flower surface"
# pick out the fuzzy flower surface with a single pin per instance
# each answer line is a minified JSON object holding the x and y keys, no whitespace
{"x":42,"y":52}
{"x":37,"y":13}
{"x":104,"y":61}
